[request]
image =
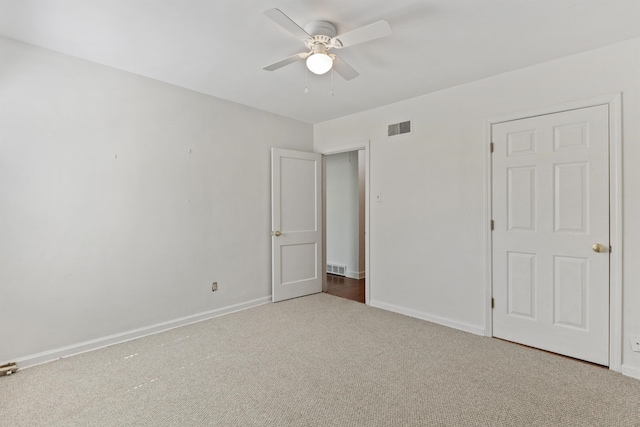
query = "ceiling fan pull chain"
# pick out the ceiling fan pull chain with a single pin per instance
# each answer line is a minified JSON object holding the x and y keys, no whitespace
{"x":331,"y":93}
{"x":306,"y":80}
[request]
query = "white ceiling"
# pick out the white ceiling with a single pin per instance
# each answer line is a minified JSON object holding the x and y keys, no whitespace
{"x":218,"y":47}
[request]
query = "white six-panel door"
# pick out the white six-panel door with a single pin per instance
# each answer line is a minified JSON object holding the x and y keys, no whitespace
{"x":296,"y":215}
{"x":550,"y":207}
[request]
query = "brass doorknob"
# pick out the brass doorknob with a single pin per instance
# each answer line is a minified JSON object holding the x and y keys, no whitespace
{"x":598,"y":247}
{"x":277,"y":233}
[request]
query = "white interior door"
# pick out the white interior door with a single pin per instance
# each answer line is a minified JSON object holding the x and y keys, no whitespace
{"x":550,"y":207}
{"x":296,"y":215}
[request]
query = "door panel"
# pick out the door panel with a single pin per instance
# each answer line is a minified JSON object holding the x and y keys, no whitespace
{"x":570,"y":203}
{"x":296,"y":214}
{"x":570,"y":283}
{"x":297,"y":194}
{"x":521,"y":183}
{"x":521,"y":284}
{"x":550,"y":206}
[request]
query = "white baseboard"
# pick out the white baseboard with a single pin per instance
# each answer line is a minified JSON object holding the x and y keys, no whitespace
{"x":429,"y":317}
{"x":58,"y":353}
{"x":355,"y":274}
{"x":630,"y":371}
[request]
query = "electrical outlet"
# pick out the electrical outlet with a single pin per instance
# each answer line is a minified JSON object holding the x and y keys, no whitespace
{"x":635,"y":342}
{"x":214,"y":286}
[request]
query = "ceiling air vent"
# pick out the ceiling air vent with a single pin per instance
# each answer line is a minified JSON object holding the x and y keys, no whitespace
{"x":400,"y":128}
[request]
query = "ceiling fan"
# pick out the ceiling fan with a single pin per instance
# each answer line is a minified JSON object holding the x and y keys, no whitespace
{"x":319,"y":37}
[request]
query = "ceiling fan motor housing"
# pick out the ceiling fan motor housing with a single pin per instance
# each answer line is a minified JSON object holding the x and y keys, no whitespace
{"x":321,"y":28}
{"x":321,"y":34}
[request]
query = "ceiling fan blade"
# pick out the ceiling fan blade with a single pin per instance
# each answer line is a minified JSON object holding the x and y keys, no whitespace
{"x":363,"y":34}
{"x":286,"y":61}
{"x":287,"y":23}
{"x":345,"y":70}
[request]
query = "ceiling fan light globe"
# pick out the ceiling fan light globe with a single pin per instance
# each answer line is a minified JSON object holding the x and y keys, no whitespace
{"x":319,"y":63}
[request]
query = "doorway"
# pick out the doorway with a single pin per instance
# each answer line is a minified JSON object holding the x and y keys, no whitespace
{"x":344,"y":183}
{"x":298,"y":211}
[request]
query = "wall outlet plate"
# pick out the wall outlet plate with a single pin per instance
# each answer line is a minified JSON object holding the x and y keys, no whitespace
{"x":635,"y":342}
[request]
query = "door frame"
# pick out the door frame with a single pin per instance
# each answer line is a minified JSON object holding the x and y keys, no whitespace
{"x":355,"y":146}
{"x":614,"y":102}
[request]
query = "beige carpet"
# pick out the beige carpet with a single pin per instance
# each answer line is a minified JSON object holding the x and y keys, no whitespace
{"x":318,"y":361}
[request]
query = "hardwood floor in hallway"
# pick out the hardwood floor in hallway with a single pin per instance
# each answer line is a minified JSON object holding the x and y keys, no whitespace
{"x":344,"y":287}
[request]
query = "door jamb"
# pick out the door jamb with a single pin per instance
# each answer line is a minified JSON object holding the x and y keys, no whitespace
{"x":614,"y":102}
{"x":355,"y":146}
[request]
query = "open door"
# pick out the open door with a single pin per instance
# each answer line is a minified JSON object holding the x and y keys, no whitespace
{"x":296,"y":223}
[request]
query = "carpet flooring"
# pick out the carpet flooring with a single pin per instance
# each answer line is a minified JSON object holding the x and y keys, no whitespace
{"x":317,"y":361}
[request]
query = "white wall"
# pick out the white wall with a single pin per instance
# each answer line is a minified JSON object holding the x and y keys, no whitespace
{"x":427,"y":243}
{"x":92,"y":245}
{"x":342,"y":210}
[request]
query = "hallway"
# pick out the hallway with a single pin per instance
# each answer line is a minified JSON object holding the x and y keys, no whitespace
{"x":344,"y":287}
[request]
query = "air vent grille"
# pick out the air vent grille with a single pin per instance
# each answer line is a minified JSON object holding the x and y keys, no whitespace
{"x":399,"y":128}
{"x":338,"y":270}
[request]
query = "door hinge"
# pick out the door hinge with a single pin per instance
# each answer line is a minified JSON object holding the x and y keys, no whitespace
{"x":610,"y":248}
{"x":493,"y":303}
{"x":491,"y":147}
{"x":492,"y":225}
